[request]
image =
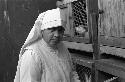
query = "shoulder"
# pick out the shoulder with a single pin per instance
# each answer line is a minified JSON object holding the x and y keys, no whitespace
{"x":31,"y":55}
{"x":28,"y":54}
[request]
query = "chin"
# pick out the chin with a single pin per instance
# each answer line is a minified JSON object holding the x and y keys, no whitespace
{"x":54,"y":43}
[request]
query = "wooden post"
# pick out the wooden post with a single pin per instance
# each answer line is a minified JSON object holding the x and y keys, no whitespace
{"x":95,"y":45}
{"x":93,"y":6}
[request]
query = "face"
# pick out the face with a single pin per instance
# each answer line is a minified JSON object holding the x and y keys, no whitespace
{"x":52,"y":36}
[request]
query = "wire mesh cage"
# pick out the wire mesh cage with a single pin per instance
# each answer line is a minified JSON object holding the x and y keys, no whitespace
{"x":75,"y":13}
{"x":80,"y":17}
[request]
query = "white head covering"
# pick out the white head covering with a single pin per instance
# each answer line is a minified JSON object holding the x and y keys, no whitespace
{"x":49,"y":19}
{"x":53,"y":18}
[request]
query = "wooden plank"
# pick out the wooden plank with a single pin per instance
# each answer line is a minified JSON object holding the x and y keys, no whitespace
{"x":112,"y":41}
{"x":103,"y":49}
{"x":111,"y":66}
{"x":113,"y":18}
{"x":78,"y":46}
{"x":113,"y":51}
{"x":82,"y":60}
{"x":68,"y":1}
{"x":76,"y":39}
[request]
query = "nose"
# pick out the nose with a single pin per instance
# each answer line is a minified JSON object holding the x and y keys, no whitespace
{"x":56,"y":33}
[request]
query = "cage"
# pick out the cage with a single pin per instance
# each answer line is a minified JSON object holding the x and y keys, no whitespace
{"x":76,"y":16}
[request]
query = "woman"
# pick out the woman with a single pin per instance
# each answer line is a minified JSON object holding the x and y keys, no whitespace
{"x":43,"y":57}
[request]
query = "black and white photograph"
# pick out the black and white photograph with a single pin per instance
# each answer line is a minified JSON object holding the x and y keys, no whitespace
{"x":62,"y":40}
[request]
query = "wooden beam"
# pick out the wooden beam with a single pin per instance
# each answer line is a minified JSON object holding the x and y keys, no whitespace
{"x":78,"y":46}
{"x":95,"y":41}
{"x":77,"y":39}
{"x":113,"y":51}
{"x":112,"y":41}
{"x":83,"y":60}
{"x":95,"y":45}
{"x":68,"y":1}
{"x":111,"y":66}
{"x":103,"y":49}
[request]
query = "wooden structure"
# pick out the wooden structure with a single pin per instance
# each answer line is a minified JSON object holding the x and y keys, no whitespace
{"x":104,"y":37}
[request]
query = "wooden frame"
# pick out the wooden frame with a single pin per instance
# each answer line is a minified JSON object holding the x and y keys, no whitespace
{"x":74,"y":38}
{"x":99,"y":44}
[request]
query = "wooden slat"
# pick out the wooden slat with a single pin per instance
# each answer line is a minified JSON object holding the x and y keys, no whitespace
{"x":82,"y":60}
{"x":77,"y":39}
{"x":103,"y":49}
{"x":112,"y":41}
{"x":113,"y":50}
{"x":68,"y":1}
{"x":78,"y":46}
{"x":111,"y":66}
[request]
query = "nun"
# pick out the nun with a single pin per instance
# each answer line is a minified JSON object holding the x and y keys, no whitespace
{"x":44,"y":57}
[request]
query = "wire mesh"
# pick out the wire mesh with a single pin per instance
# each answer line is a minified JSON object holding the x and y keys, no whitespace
{"x":79,"y":11}
{"x":84,"y":73}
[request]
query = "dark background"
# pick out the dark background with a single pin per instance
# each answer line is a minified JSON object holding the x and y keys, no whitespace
{"x":16,"y":20}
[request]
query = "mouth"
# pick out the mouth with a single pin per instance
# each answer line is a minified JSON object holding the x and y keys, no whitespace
{"x":55,"y":40}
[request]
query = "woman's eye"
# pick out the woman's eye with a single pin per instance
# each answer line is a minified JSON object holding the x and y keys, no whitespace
{"x":56,"y":29}
{"x":61,"y":31}
{"x":51,"y":30}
